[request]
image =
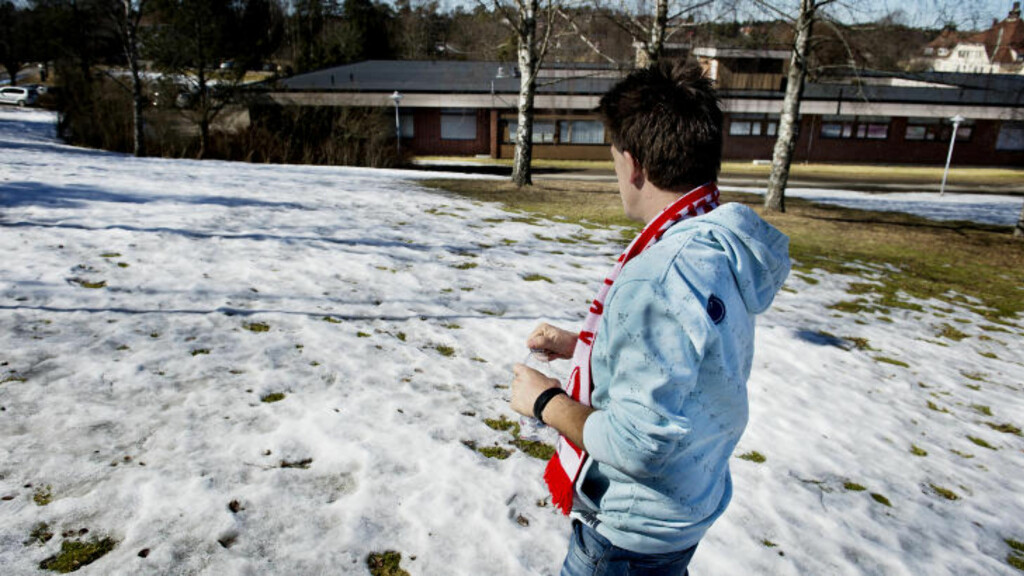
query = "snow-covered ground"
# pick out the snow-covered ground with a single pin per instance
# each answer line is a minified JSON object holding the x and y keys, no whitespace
{"x":133,"y":293}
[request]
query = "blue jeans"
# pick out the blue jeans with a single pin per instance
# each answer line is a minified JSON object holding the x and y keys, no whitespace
{"x":591,"y":554}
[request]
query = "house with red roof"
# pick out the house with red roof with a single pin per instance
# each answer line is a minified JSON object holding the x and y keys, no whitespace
{"x":998,"y":50}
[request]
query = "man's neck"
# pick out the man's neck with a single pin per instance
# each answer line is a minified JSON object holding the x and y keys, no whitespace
{"x":657,"y":199}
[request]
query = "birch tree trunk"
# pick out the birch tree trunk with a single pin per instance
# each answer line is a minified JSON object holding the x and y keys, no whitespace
{"x":656,"y":43}
{"x":528,"y":64}
{"x":782,"y":157}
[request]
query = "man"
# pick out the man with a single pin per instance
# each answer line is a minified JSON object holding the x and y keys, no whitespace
{"x":657,"y":398}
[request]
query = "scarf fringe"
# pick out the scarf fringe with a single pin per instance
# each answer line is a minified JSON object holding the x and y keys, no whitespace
{"x":559,"y":485}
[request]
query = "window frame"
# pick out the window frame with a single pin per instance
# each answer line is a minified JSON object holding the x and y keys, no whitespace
{"x":463,"y":114}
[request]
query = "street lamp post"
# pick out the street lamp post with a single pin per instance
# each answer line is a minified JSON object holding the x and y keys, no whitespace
{"x":956,"y":120}
{"x":396,"y":98}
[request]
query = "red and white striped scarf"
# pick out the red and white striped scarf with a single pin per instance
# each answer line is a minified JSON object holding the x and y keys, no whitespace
{"x":564,"y":467}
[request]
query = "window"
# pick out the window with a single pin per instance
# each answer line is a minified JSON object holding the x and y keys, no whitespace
{"x":1011,"y":137}
{"x":753,"y":125}
{"x":543,"y":131}
{"x":458,"y":124}
{"x":580,"y":132}
{"x":855,"y":127}
{"x":929,"y":129}
{"x":560,"y":132}
{"x":407,"y":124}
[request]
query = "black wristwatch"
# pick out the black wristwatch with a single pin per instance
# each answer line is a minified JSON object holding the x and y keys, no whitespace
{"x":542,"y":402}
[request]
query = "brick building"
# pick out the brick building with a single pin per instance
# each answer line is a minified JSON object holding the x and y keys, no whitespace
{"x":469,"y":108}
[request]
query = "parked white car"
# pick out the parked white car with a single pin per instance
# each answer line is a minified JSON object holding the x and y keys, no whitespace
{"x":19,"y":95}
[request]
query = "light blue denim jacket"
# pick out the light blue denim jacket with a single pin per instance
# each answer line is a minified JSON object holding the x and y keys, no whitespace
{"x":670,"y":368}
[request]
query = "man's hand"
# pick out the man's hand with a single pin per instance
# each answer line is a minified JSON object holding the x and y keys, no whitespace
{"x":526,"y":386}
{"x":555,"y":342}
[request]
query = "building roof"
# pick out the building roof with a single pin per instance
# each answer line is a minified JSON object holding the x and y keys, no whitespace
{"x":1004,"y":41}
{"x":461,"y":77}
{"x":458,"y":77}
{"x":948,"y":38}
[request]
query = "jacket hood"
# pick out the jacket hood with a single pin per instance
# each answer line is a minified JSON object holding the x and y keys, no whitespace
{"x":757,"y":252}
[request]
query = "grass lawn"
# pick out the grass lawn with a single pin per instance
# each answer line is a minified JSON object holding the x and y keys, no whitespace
{"x":829,"y":172}
{"x":908,"y":255}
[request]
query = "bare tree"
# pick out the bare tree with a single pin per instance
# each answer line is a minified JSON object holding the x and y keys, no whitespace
{"x":521,"y":18}
{"x":782,"y":156}
{"x":127,"y":15}
{"x":649,"y":29}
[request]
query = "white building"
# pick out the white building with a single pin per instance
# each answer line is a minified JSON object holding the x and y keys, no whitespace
{"x":998,"y":50}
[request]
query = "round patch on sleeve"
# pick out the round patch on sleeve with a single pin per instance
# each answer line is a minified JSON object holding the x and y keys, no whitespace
{"x":716,"y":309}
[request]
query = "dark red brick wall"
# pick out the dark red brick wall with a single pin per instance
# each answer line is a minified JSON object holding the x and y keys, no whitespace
{"x":980,"y":150}
{"x":810,"y":147}
{"x":427,"y":135}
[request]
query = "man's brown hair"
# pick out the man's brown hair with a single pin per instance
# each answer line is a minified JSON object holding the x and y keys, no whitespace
{"x":667,"y":116}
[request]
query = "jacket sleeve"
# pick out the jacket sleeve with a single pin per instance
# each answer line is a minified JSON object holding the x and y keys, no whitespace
{"x":652,"y":346}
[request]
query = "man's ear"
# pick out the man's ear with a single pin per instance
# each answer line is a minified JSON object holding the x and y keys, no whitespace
{"x":636,"y":172}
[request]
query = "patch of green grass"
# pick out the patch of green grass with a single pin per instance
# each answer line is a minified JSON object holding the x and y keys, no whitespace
{"x":446,"y":351}
{"x":331,"y":320}
{"x":74,"y":554}
{"x":860,"y":343}
{"x":451,"y":326}
{"x":917,"y":451}
{"x":990,"y":355}
{"x":980,"y":409}
{"x":808,"y":279}
{"x":272,"y":397}
{"x":933,"y":406}
{"x":257,"y":327}
{"x":465,"y":266}
{"x":122,"y":264}
{"x":1016,"y":560}
{"x":496,"y":452}
{"x":964,"y":455}
{"x":362,"y":335}
{"x":7,"y":379}
{"x":978,"y":376}
{"x":853,"y":487}
{"x":43,"y":495}
{"x":1004,"y":428}
{"x":944,"y":492}
{"x":502,"y":424}
{"x":1015,"y":544}
{"x":385,"y":564}
{"x":893,"y":361}
{"x":753,"y":456}
{"x":537,"y":278}
{"x":768,"y":543}
{"x":41,"y":534}
{"x":488,"y":312}
{"x":981,"y":442}
{"x":947,"y":331}
{"x":881,"y":499}
{"x":110,"y":255}
{"x":534,"y":448}
{"x":92,"y":285}
{"x":850,"y":307}
{"x":198,"y":351}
